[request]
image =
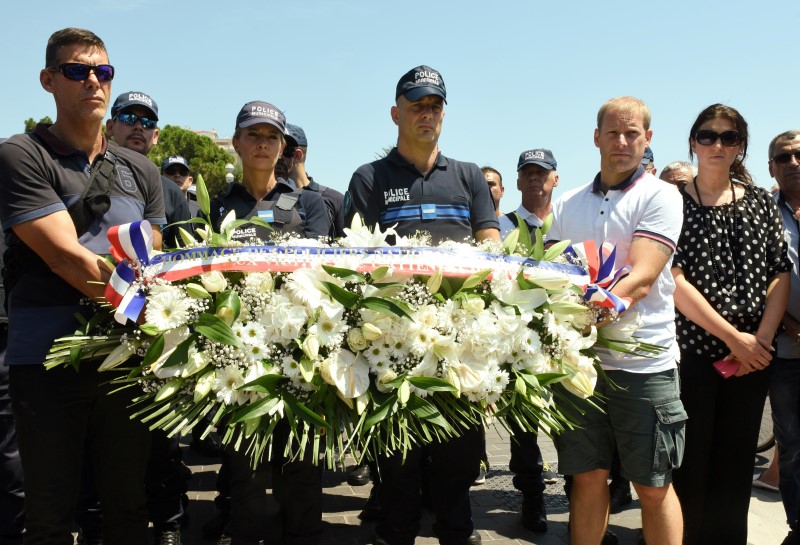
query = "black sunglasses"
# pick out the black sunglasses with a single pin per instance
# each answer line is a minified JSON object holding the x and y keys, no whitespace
{"x":784,"y":158}
{"x":131,"y":119}
{"x":707,"y":137}
{"x":78,"y":71}
{"x":171,"y":171}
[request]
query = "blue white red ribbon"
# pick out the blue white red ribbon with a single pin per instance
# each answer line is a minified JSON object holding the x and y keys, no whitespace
{"x":131,"y":245}
{"x":602,"y":274}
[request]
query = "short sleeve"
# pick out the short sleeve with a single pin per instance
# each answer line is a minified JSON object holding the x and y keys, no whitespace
{"x":361,"y":199}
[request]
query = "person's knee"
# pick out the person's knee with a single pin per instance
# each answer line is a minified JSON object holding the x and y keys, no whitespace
{"x":591,"y":479}
{"x":652,"y":495}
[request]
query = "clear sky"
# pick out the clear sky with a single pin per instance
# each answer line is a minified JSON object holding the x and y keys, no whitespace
{"x":519,"y":75}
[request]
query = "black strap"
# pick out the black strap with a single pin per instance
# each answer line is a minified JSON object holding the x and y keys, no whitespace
{"x":96,"y":198}
{"x":513,"y":218}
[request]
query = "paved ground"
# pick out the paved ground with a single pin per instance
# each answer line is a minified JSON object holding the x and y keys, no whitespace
{"x":495,"y":507}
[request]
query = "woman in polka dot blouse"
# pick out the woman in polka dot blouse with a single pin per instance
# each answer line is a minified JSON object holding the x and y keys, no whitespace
{"x":731,"y":289}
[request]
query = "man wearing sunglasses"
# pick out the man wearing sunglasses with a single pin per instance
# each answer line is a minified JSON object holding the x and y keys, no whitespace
{"x":66,"y":415}
{"x":134,"y":125}
{"x":784,"y":390}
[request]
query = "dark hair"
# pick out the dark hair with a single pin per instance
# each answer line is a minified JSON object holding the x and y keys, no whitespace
{"x":719,"y":111}
{"x":788,"y":135}
{"x":492,"y":169}
{"x":69,"y":36}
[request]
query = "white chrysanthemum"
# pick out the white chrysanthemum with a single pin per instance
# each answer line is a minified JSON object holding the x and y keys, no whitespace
{"x":304,"y":287}
{"x":167,"y":307}
{"x":256,"y":351}
{"x":228,"y":379}
{"x":427,"y":316}
{"x":421,"y":339}
{"x":446,"y":313}
{"x":378,"y":356}
{"x":290,"y":367}
{"x":253,"y":333}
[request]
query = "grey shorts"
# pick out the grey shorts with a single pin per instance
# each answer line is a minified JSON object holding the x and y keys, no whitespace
{"x":644,"y":420}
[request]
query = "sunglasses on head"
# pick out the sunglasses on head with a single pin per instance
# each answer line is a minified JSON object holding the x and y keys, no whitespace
{"x":77,"y":71}
{"x":784,"y":158}
{"x":707,"y":137}
{"x":131,"y":119}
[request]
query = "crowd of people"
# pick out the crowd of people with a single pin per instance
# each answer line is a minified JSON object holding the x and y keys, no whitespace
{"x":713,"y":278}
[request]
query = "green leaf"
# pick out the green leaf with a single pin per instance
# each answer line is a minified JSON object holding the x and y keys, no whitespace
{"x":202,"y":195}
{"x":307,"y":414}
{"x":307,"y":369}
{"x":169,"y":389}
{"x":432,"y":384}
{"x":154,"y":351}
{"x":229,"y":299}
{"x":181,"y":353}
{"x":379,"y":273}
{"x":386,"y":306}
{"x":339,"y":272}
{"x":547,"y":223}
{"x":475,"y":279}
{"x":346,"y":298}
{"x":567,"y":307}
{"x":520,"y":388}
{"x":425,"y":410}
{"x":524,"y":236}
{"x":266,"y":384}
{"x":186,"y":237}
{"x":555,"y":250}
{"x":511,"y":241}
{"x":196,"y":291}
{"x":538,"y":245}
{"x":381,"y":412}
{"x":215,"y":329}
{"x":255,"y":410}
{"x":149,"y":329}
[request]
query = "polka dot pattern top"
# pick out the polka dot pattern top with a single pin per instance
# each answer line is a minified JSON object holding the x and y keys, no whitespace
{"x":749,"y":250}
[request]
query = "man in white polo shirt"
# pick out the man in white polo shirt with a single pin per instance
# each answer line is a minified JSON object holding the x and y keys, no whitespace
{"x":642,"y":415}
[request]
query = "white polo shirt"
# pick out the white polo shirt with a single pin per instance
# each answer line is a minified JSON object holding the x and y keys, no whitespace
{"x":640,"y":206}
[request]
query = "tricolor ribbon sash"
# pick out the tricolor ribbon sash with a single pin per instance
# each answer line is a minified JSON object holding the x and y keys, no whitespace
{"x":602,"y":274}
{"x":131,"y":246}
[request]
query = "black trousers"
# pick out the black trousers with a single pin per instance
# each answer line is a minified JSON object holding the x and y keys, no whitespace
{"x":62,"y":416}
{"x":12,"y":498}
{"x":526,"y":462}
{"x":715,"y":479}
{"x":454,"y":466}
{"x":296,"y":485}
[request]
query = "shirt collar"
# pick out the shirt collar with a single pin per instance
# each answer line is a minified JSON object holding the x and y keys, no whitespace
{"x":395,"y":157}
{"x":624,"y":185}
{"x":42,"y":131}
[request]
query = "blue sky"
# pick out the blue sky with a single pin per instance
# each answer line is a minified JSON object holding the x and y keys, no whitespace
{"x":519,"y":75}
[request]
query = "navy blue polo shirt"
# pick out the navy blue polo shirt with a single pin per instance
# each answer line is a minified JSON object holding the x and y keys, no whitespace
{"x":41,"y":175}
{"x":309,"y":206}
{"x":334,"y":201}
{"x":451,"y":202}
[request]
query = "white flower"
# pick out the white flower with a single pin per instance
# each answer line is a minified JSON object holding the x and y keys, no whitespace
{"x":350,"y":373}
{"x":473,"y":305}
{"x":330,"y":324}
{"x":310,"y":346}
{"x":172,"y":339}
{"x":371,"y":332}
{"x":359,"y":235}
{"x":228,"y":379}
{"x":260,"y":282}
{"x":421,"y":339}
{"x":583,"y":375}
{"x":213,"y":281}
{"x":204,"y":384}
{"x":356,"y":339}
{"x":167,"y":307}
{"x":256,"y":351}
{"x":547,"y":278}
{"x":378,"y":356}
{"x":290,"y":367}
{"x":383,"y":377}
{"x":251,"y":332}
{"x":304,"y":287}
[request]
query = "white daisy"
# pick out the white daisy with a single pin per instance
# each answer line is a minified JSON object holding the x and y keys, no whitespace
{"x":167,"y":307}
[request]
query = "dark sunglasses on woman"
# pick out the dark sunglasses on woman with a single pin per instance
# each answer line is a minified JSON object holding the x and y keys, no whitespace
{"x":707,"y":137}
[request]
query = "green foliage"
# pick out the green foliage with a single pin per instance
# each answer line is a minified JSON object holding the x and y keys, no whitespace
{"x":204,"y":157}
{"x":30,"y":123}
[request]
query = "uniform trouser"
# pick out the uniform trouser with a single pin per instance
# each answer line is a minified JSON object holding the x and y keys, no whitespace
{"x":62,"y":416}
{"x":454,"y":466}
{"x":715,"y":480}
{"x":12,"y":498}
{"x":526,"y":462}
{"x":296,"y":485}
{"x":784,"y":396}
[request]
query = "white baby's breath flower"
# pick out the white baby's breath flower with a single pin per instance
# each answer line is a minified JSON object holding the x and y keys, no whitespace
{"x":260,"y":282}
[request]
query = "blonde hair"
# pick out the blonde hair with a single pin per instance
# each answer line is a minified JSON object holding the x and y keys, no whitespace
{"x":625,"y":104}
